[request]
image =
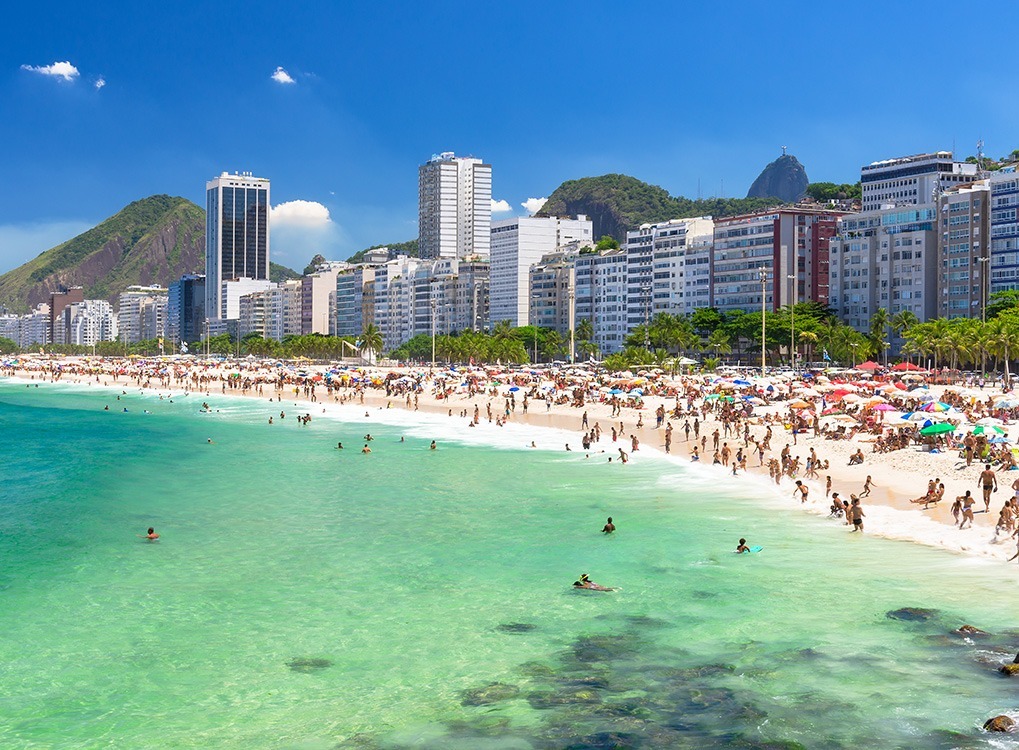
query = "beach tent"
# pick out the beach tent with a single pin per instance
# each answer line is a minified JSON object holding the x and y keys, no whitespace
{"x":906,"y":367}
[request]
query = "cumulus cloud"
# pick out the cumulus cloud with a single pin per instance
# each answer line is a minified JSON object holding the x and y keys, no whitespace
{"x":100,"y":82}
{"x":301,"y":229}
{"x":282,"y":76}
{"x":299,"y":214}
{"x":500,"y":207}
{"x":62,"y":70}
{"x":533,"y":205}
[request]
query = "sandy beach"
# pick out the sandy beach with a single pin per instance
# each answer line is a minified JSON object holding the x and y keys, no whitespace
{"x":898,"y":476}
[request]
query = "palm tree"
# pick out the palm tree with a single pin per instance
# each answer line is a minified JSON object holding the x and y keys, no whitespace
{"x":371,"y":342}
{"x":719,"y":341}
{"x":879,"y":322}
{"x":808,"y":338}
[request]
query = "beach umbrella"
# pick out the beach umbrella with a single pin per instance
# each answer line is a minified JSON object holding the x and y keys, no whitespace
{"x":615,"y":391}
{"x":1010,"y":403}
{"x":936,"y":406}
{"x":981,"y":429}
{"x":990,"y":421}
{"x":883,"y":407}
{"x":938,"y":429}
{"x":850,"y":398}
{"x":800,"y":404}
{"x":514,"y":388}
{"x":998,"y":440}
{"x":636,"y":392}
{"x":906,"y":367}
{"x":739,"y":381}
{"x":868,"y":365}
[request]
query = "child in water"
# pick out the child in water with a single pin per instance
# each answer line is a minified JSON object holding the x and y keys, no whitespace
{"x":742,"y":547}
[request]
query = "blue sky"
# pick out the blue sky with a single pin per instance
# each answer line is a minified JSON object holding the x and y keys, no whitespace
{"x":676,"y":94}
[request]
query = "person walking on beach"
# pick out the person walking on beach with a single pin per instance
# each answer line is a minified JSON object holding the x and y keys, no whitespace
{"x":988,"y":481}
{"x":967,"y":502}
{"x":856,"y":514}
{"x":866,"y":487}
{"x":802,"y":489}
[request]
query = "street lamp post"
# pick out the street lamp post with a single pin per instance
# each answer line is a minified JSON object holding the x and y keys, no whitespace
{"x":646,"y":290}
{"x":764,"y":279}
{"x":854,"y":345}
{"x":572,"y":321}
{"x":984,"y":277}
{"x":792,"y":321}
{"x":887,"y":345}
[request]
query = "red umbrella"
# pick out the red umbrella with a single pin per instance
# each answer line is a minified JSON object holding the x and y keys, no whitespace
{"x":868,"y":365}
{"x":906,"y":367}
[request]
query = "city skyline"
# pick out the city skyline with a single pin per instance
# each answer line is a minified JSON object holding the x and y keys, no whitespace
{"x":127,"y":101}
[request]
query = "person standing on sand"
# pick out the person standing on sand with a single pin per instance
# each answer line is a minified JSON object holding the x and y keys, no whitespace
{"x":988,"y":481}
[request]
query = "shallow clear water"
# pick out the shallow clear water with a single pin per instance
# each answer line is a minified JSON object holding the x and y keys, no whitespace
{"x":305,"y":597}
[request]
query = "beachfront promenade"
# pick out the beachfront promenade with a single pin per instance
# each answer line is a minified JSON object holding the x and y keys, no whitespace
{"x":782,"y":428}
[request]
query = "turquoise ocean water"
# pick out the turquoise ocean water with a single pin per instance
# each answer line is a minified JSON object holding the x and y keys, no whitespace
{"x":305,"y":597}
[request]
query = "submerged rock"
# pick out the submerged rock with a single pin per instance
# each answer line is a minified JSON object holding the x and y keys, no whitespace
{"x":912,"y":614}
{"x":1000,"y":724}
{"x":493,"y":693}
{"x":308,"y":665}
{"x":970,"y":631}
{"x":592,"y":648}
{"x":536,"y":669}
{"x":643,"y":621}
{"x":541,"y":699}
{"x":516,"y":627}
{"x":1009,"y":670}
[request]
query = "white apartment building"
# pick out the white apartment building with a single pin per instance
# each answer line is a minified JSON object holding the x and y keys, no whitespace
{"x":90,"y":321}
{"x":519,"y":243}
{"x":231,"y":292}
{"x":354,"y":300}
{"x":657,"y":275}
{"x":600,"y":284}
{"x":1004,"y":227}
{"x":912,"y":180}
{"x":34,"y":328}
{"x":454,"y":207}
{"x":141,"y":313}
{"x":315,"y":290}
{"x":236,"y":234}
{"x":886,"y":258}
{"x":273,"y":313}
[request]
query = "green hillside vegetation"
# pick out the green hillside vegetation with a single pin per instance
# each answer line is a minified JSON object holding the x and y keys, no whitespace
{"x":616,"y":203}
{"x":409,"y":248}
{"x":829,"y":191}
{"x":278,"y":273}
{"x":152,"y":241}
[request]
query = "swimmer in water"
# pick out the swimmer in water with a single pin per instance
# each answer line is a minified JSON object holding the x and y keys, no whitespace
{"x":151,"y":534}
{"x":583,"y":583}
{"x":209,"y":440}
{"x":339,"y":446}
{"x":366,"y":449}
{"x":609,"y":527}
{"x":432,"y":446}
{"x":742,"y":547}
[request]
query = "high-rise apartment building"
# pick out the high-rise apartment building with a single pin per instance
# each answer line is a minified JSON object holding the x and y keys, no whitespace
{"x":885,"y":259}
{"x":964,"y":247}
{"x":1004,"y":227}
{"x":315,"y":290}
{"x":600,"y":297}
{"x":141,"y":313}
{"x":185,"y":308}
{"x":912,"y":180}
{"x":519,"y":243}
{"x":454,"y":207}
{"x":236,"y":234}
{"x":355,"y":300}
{"x":59,"y":301}
{"x":784,"y":242}
{"x":89,"y":322}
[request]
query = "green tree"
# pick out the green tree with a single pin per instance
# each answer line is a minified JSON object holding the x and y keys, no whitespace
{"x":371,"y":342}
{"x":7,"y":346}
{"x":607,"y":242}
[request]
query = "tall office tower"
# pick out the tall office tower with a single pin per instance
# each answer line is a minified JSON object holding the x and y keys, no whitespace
{"x":912,"y":180}
{"x":519,"y":243}
{"x":236,"y":234}
{"x":454,"y":207}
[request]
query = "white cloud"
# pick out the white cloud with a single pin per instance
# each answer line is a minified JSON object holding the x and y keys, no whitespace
{"x":282,"y":76}
{"x":100,"y":82}
{"x":300,"y":213}
{"x":533,"y":205}
{"x":63,"y":70}
{"x":500,"y":207}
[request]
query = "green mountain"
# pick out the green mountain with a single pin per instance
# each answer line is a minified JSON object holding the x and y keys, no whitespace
{"x":408,"y":248}
{"x":151,"y":241}
{"x":616,"y":203}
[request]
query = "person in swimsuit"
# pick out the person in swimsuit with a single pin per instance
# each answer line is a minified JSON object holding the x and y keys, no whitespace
{"x":988,"y":482}
{"x":802,"y":489}
{"x":150,"y":535}
{"x":967,"y":510}
{"x":742,"y":547}
{"x":609,"y":527}
{"x":856,"y":514}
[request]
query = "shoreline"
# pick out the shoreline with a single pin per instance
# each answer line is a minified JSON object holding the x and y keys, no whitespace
{"x":889,"y":512}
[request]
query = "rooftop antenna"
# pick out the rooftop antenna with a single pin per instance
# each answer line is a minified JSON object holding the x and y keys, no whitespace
{"x":783,"y":150}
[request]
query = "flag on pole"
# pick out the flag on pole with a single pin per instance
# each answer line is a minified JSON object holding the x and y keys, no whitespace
{"x":183,"y":347}
{"x":826,"y":357}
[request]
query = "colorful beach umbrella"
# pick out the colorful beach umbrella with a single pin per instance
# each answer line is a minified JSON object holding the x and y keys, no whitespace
{"x":935,"y":406}
{"x":981,"y":429}
{"x":937,"y":429}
